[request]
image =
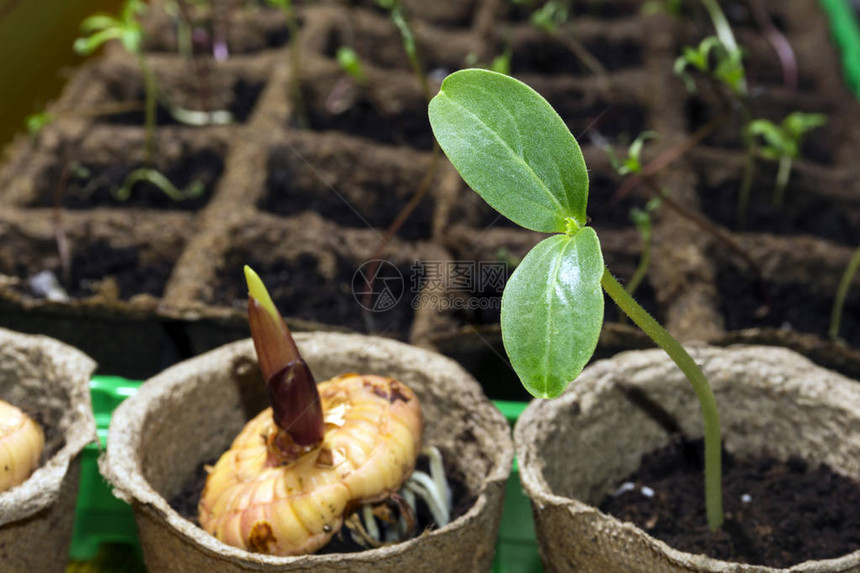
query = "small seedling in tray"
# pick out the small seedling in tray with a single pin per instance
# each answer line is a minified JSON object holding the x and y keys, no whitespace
{"x":101,"y":28}
{"x":782,"y":143}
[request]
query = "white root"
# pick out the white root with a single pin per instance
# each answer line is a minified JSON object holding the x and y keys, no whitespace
{"x":433,"y":489}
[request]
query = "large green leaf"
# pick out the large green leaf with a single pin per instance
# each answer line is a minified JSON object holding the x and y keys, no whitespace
{"x":512,"y":148}
{"x":552,"y":311}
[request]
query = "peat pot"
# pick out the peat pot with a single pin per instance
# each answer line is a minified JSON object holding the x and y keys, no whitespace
{"x":189,"y":414}
{"x":574,"y":450}
{"x":50,"y":382}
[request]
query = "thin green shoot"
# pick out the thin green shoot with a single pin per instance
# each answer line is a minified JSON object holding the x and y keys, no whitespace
{"x":782,"y":143}
{"x":842,"y":294}
{"x":350,"y":63}
{"x":633,"y":162}
{"x":155,"y":177}
{"x":529,"y":167}
{"x":727,"y":68}
{"x":641,"y":219}
{"x":410,"y":46}
{"x":721,"y":59}
{"x":100,"y":28}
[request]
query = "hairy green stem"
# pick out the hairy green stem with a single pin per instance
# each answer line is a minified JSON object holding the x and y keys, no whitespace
{"x":149,"y":113}
{"x":713,"y":462}
{"x":842,"y":294}
{"x":782,"y":175}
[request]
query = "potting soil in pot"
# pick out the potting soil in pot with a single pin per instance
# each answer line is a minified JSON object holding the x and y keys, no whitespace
{"x":778,"y":514}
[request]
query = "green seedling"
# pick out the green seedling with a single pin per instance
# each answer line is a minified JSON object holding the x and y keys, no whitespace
{"x":514,"y":150}
{"x":727,"y":65}
{"x":721,"y":59}
{"x":101,"y":28}
{"x":550,"y":16}
{"x":410,"y":46}
{"x":36,"y":122}
{"x":782,"y":143}
{"x":842,"y":294}
{"x":641,"y":219}
{"x":633,"y":162}
{"x":286,"y":6}
{"x":351,"y":64}
{"x":155,"y":177}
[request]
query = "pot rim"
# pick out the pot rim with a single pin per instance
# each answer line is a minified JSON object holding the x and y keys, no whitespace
{"x":43,"y":487}
{"x":129,"y":484}
{"x":531,"y":464}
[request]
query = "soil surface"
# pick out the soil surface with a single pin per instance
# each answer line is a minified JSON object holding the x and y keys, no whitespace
{"x":792,"y":307}
{"x":186,"y":501}
{"x":96,"y":185}
{"x":778,"y":514}
{"x":804,"y":210}
{"x":378,"y":206}
{"x":101,"y":261}
{"x":300,"y":289}
{"x":364,"y":118}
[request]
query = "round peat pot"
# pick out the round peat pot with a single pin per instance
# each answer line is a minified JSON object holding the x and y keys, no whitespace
{"x":50,"y":382}
{"x":573,"y":451}
{"x":189,"y":414}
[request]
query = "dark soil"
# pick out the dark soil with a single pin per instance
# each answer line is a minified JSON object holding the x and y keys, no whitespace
{"x":186,"y":501}
{"x":804,"y":212}
{"x":241,"y":104}
{"x":100,"y":260}
{"x":611,"y":120}
{"x":300,"y":290}
{"x":792,"y":306}
{"x":94,"y":185}
{"x":445,"y":13}
{"x":521,"y":11}
{"x":286,"y":196}
{"x":244,"y":36}
{"x":409,"y":126}
{"x":544,"y":55}
{"x":794,"y":513}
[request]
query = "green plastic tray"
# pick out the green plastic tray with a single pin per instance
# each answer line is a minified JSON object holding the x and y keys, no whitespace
{"x":105,"y":529}
{"x":846,"y":31}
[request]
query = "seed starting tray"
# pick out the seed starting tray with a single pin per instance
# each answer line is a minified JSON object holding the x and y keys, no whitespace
{"x":305,"y":194}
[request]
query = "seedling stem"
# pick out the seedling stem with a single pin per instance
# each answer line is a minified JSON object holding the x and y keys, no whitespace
{"x":842,"y":294}
{"x":707,"y":401}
